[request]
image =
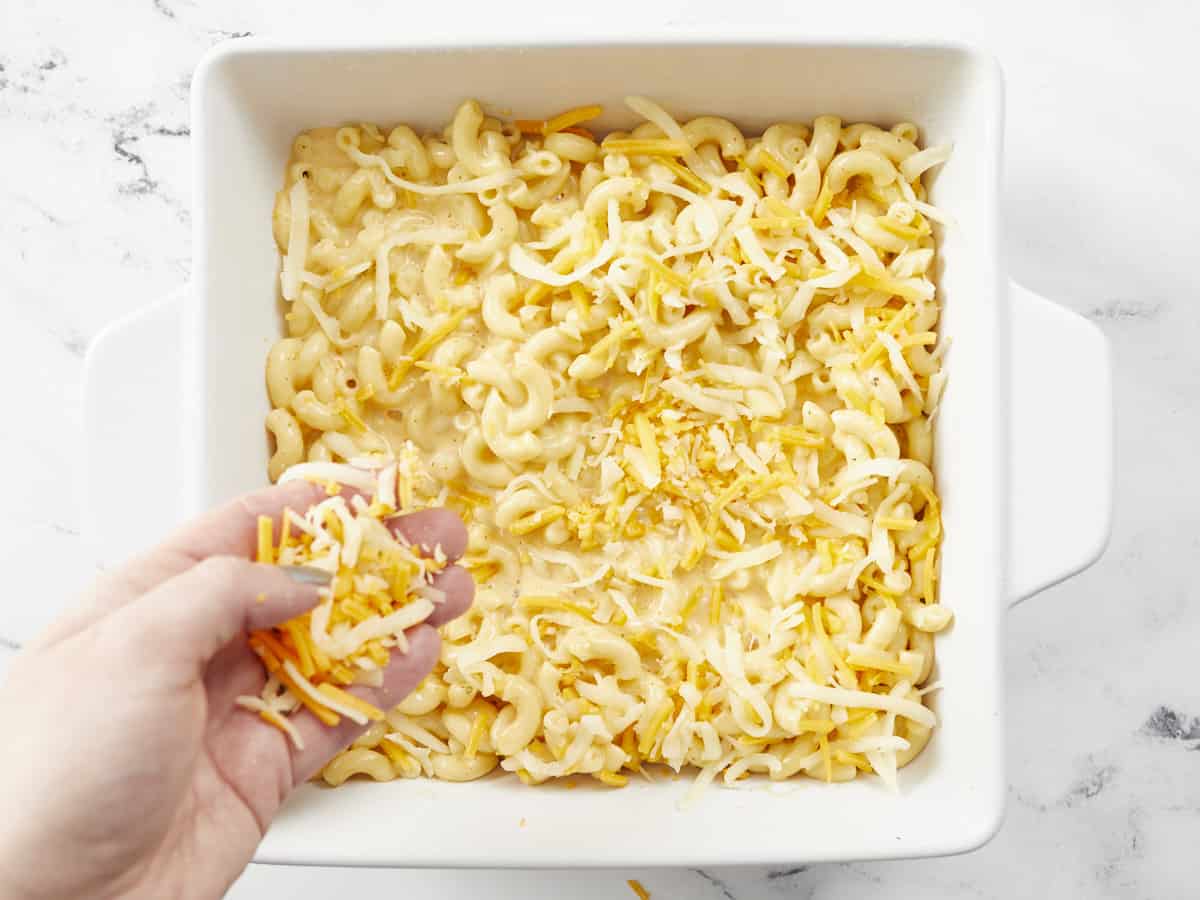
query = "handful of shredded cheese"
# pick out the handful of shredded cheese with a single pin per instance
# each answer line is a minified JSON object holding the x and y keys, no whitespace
{"x":380,"y":586}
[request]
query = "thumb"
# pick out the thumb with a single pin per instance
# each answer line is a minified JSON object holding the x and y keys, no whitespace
{"x":190,"y":617}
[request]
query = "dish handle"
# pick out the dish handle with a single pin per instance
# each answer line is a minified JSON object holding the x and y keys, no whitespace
{"x":132,"y":430}
{"x":1061,"y":448}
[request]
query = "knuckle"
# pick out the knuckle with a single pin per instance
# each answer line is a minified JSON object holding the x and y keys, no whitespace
{"x":224,"y":573}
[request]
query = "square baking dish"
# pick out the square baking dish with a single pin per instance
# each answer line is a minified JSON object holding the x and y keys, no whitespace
{"x":1006,"y":441}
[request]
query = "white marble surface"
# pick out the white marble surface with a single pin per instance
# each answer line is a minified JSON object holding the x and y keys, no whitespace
{"x":1102,"y":174}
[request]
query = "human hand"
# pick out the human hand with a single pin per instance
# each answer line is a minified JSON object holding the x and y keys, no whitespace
{"x":126,"y":769}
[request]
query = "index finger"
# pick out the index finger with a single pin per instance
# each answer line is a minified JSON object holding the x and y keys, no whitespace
{"x":229,"y":530}
{"x":232,"y":529}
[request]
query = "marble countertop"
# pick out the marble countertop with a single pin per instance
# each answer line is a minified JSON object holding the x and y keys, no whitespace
{"x":1102,"y":163}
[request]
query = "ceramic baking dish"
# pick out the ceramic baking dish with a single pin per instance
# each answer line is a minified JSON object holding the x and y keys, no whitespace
{"x":1023,"y":443}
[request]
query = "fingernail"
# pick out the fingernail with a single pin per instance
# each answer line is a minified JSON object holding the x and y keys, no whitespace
{"x":307,"y":575}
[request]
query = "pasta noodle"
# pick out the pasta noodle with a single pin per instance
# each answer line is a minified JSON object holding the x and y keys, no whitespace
{"x":679,"y":383}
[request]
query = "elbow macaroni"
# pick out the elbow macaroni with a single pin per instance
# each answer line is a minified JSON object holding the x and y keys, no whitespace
{"x":680,"y":383}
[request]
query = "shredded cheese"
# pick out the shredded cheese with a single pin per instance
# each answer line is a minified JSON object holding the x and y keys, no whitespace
{"x":315,"y":655}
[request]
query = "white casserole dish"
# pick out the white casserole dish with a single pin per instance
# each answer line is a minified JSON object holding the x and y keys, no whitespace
{"x":1024,"y":507}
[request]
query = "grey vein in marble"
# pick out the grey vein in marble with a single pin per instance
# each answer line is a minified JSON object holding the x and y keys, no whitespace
{"x":1090,"y":785}
{"x":1167,"y":723}
{"x":125,"y":128}
{"x":1125,"y":311}
{"x":776,"y":874}
{"x":717,"y":883}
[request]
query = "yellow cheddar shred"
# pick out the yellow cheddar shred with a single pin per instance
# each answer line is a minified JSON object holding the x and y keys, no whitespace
{"x":541,"y":604}
{"x":774,"y":164}
{"x":266,"y":549}
{"x":612,"y":779}
{"x":571,"y":118}
{"x":686,"y":176}
{"x":650,"y":736}
{"x":646,"y":147}
{"x":478,"y":727}
{"x":536,"y":520}
{"x":427,"y":342}
{"x":714,"y":606}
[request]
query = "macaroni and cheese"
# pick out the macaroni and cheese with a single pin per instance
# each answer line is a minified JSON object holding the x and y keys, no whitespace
{"x":680,"y":383}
